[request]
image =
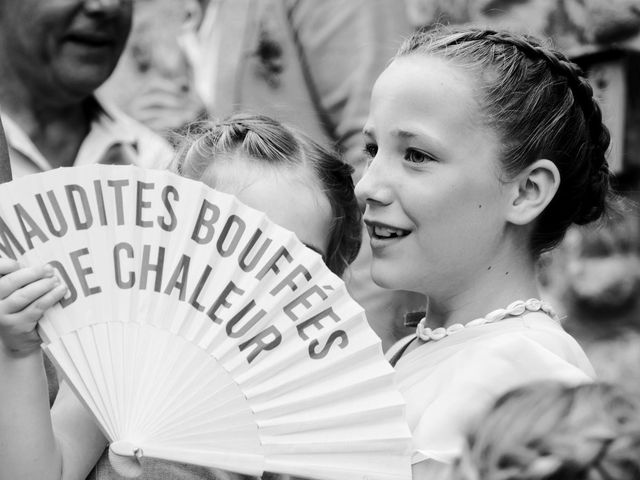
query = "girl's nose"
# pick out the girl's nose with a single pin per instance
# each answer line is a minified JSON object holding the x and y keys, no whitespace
{"x":374,"y":187}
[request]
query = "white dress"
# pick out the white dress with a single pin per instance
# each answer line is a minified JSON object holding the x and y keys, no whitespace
{"x":449,"y":382}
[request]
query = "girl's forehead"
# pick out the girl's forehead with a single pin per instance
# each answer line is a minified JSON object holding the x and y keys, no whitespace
{"x":235,"y":173}
{"x":426,"y":76}
{"x":419,"y":88}
{"x":290,"y":195}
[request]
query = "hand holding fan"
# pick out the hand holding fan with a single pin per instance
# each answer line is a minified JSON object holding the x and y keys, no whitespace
{"x":198,"y":331}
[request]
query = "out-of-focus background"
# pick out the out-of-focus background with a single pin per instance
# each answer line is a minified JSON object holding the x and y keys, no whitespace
{"x":593,"y":279}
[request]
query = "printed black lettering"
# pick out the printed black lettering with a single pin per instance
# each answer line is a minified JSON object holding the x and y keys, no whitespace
{"x":102,"y":212}
{"x":288,"y":280}
{"x":118,"y":185}
{"x":173,"y":221}
{"x":272,"y":264}
{"x":83,"y":272}
{"x":303,"y":300}
{"x":72,"y":294}
{"x":147,"y":267}
{"x":75,"y":194}
{"x":201,"y":283}
{"x":141,"y":204}
{"x":232,"y":243}
{"x":30,"y":228}
{"x":62,"y":222}
{"x":338,"y":335}
{"x":221,"y":301}
{"x":128,"y":250}
{"x":316,"y":321}
{"x":209,"y":214}
{"x":249,"y":324}
{"x":179,"y":278}
{"x":268,"y":339}
{"x":7,"y":238}
{"x":248,"y":266}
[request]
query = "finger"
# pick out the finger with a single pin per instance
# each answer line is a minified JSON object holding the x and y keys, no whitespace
{"x":30,"y":293}
{"x":17,"y":279}
{"x":24,"y":321}
{"x":7,"y":266}
{"x":37,"y":308}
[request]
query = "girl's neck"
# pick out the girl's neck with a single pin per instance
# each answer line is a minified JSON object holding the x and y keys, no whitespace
{"x":493,"y":286}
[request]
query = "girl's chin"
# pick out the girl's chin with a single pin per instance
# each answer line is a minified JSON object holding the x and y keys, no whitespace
{"x":391,"y":279}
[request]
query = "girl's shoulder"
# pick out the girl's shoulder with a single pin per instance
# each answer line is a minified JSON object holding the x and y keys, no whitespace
{"x":528,"y":346}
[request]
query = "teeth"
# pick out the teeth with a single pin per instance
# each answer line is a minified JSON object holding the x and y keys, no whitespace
{"x":388,"y":232}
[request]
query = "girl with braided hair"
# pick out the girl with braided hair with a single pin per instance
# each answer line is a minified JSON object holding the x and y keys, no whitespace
{"x":253,"y":156}
{"x":484,"y":147}
{"x":551,"y":431}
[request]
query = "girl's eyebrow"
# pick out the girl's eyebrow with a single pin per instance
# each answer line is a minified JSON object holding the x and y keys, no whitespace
{"x":404,"y":134}
{"x":369,"y":132}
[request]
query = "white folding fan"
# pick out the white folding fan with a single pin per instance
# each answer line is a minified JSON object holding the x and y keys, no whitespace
{"x":198,"y":331}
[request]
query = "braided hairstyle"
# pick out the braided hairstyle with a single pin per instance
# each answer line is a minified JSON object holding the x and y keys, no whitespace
{"x":550,"y":431}
{"x":542,"y":106}
{"x":273,"y":143}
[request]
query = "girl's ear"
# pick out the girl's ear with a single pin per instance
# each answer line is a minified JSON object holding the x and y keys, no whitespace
{"x":534,"y":188}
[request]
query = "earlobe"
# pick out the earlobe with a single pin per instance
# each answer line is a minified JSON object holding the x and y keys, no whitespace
{"x":534,"y":188}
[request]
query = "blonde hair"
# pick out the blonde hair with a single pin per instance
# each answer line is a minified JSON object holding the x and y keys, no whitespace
{"x":271,"y":142}
{"x":550,"y":431}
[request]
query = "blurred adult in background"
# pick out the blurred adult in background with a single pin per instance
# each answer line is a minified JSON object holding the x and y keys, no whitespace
{"x":54,"y":54}
{"x":302,"y":60}
{"x":152,"y":80}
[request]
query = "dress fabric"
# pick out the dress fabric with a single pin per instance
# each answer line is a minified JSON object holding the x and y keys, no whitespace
{"x":448,"y":383}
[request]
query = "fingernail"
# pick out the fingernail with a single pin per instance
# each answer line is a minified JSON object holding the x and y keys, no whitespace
{"x":49,"y":270}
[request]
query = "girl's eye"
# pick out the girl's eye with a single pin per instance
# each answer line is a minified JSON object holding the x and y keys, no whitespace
{"x":371,"y":150}
{"x":416,"y":156}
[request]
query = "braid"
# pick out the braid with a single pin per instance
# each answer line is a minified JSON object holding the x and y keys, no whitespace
{"x":598,"y":139}
{"x":543,"y":106}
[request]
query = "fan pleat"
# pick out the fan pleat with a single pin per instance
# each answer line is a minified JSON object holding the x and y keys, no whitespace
{"x":298,"y":375}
